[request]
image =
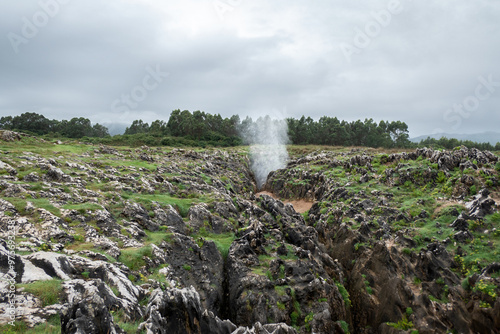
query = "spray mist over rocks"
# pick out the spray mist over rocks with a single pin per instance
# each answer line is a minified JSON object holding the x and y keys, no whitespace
{"x":267,"y":138}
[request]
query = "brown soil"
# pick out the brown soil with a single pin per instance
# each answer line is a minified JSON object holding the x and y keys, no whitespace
{"x":445,"y":204}
{"x":300,"y":205}
{"x":496,"y":197}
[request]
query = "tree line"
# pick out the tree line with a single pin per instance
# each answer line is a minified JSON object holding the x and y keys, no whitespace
{"x":331,"y":131}
{"x":37,"y":124}
{"x":185,"y":128}
{"x":201,"y":126}
{"x":450,"y":143}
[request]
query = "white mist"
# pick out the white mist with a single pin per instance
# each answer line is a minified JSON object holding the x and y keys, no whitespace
{"x":267,"y":139}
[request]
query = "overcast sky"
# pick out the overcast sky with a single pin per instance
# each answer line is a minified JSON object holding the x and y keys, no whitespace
{"x":119,"y":60}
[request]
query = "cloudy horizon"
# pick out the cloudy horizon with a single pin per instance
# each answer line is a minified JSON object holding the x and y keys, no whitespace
{"x":431,"y":65}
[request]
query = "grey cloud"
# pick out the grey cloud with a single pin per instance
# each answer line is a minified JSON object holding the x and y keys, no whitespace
{"x":263,"y":57}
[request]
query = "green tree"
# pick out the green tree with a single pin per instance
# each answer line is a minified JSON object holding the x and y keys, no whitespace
{"x":138,"y":126}
{"x":34,"y":123}
{"x":399,"y":134}
{"x":198,"y":125}
{"x":100,"y":131}
{"x":174,"y":124}
{"x":158,"y":127}
{"x":77,"y":127}
{"x":6,"y":123}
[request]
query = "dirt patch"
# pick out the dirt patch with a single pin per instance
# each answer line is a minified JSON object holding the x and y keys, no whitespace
{"x":300,"y":205}
{"x":445,"y":204}
{"x":390,"y":243}
{"x":495,"y":197}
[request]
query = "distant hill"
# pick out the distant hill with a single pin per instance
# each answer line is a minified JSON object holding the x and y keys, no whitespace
{"x":485,"y":137}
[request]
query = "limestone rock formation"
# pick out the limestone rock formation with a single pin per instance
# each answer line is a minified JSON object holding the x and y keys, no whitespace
{"x":161,"y":240}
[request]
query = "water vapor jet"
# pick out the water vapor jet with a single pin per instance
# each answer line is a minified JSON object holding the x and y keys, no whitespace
{"x":267,"y":138}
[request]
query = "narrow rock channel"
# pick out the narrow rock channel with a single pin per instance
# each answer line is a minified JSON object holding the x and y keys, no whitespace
{"x":176,"y":241}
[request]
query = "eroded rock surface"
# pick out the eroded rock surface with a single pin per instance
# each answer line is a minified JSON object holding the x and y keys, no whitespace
{"x":157,"y":240}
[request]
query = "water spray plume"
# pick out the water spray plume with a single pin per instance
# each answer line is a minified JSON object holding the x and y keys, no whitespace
{"x":267,"y":139}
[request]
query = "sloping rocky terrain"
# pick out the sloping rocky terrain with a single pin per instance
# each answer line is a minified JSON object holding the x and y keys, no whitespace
{"x":164,"y":240}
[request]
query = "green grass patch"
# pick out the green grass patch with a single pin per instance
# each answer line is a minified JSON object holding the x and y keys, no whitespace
{"x":290,"y":254}
{"x":52,"y":326}
{"x":222,"y":241}
{"x":281,"y":289}
{"x":42,"y":203}
{"x":48,"y":292}
{"x":345,"y":294}
{"x":403,"y":324}
{"x":181,"y":204}
{"x":265,"y":259}
{"x":130,"y":327}
{"x":344,"y":325}
{"x":132,"y":163}
{"x":158,"y":237}
{"x":133,"y":257}
{"x":156,"y":276}
{"x":83,"y":207}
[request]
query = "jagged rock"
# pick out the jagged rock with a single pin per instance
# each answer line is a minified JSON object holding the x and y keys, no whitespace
{"x":491,"y":269}
{"x":198,"y":264}
{"x":130,"y":294}
{"x":14,"y":190}
{"x":31,"y":177}
{"x":364,"y":228}
{"x":7,"y":207}
{"x":88,"y":316}
{"x":11,"y":265}
{"x":282,"y":250}
{"x":179,"y":311}
{"x":242,"y":250}
{"x":136,"y":231}
{"x":8,"y":168}
{"x":200,"y":217}
{"x":364,"y":179}
{"x":460,"y":224}
{"x":78,"y":289}
{"x":102,"y":242}
{"x":468,"y":180}
{"x":481,"y":205}
{"x":467,"y":164}
{"x":138,"y":213}
{"x":28,"y":307}
{"x":255,"y":237}
{"x":145,"y":157}
{"x":53,"y":264}
{"x":258,"y":328}
{"x":108,"y":150}
{"x":6,"y":135}
{"x":367,"y":204}
{"x":57,"y":175}
{"x":226,"y":209}
{"x":93,"y":255}
{"x":279,"y":262}
{"x":169,"y":217}
{"x":106,"y":223}
{"x":463,"y":236}
{"x":52,"y":228}
{"x":361,"y":160}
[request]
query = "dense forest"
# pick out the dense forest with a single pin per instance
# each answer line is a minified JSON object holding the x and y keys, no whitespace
{"x":40,"y":125}
{"x":185,"y":128}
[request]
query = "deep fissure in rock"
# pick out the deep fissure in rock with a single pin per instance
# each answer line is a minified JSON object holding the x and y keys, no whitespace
{"x":225,"y":312}
{"x":355,"y":242}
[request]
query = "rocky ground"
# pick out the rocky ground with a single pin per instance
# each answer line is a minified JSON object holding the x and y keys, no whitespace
{"x":163,"y":240}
